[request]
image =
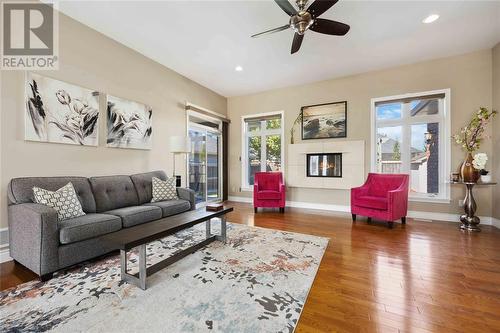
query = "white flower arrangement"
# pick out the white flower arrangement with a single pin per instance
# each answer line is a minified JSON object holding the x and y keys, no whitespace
{"x":479,"y":161}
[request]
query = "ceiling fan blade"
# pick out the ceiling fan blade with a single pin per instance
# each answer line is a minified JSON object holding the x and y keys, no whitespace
{"x":297,"y":41}
{"x":318,"y":7}
{"x":286,"y":6}
{"x":270,"y":31}
{"x":329,"y":27}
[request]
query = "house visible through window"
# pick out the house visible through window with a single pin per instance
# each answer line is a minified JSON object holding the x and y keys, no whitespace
{"x":411,"y":135}
{"x":262,"y":146}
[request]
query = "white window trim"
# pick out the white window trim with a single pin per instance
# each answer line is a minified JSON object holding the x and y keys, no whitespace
{"x":243,"y":158}
{"x":445,"y":136}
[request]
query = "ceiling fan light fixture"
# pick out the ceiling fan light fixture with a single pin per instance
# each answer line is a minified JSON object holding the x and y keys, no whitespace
{"x":431,"y":18}
{"x":238,"y":68}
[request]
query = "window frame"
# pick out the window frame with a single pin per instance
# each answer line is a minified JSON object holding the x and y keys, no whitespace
{"x":406,"y":121}
{"x":262,"y":133}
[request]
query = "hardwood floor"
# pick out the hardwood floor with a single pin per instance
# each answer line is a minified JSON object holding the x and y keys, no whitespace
{"x":421,"y":277}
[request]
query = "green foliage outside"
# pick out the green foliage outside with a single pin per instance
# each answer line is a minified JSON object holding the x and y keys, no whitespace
{"x":396,"y":152}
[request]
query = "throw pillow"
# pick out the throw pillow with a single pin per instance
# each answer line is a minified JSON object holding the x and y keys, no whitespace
{"x":64,"y":201}
{"x":164,"y":189}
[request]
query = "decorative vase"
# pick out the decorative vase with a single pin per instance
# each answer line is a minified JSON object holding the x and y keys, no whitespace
{"x":485,"y":178}
{"x":468,"y":172}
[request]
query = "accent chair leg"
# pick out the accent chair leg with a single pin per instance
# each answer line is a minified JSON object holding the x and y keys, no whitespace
{"x":369,"y":220}
{"x":255,"y":209}
{"x":403,"y":220}
{"x":282,"y":209}
{"x":46,"y":277}
{"x":390,"y":224}
{"x":353,"y":217}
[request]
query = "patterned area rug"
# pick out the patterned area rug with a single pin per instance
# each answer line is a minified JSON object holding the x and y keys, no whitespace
{"x":257,"y":282}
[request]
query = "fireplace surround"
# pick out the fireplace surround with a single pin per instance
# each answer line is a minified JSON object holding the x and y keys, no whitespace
{"x":324,"y":165}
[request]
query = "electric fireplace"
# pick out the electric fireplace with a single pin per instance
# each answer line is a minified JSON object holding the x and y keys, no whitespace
{"x":324,"y":165}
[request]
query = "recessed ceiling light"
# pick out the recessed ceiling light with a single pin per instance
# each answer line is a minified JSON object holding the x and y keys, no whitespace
{"x":238,"y":68}
{"x":431,"y":18}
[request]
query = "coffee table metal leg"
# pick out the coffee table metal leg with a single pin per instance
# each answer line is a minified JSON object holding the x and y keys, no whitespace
{"x":207,"y":225}
{"x":142,"y":266}
{"x":123,"y":263}
{"x":223,"y":228}
{"x":139,"y":279}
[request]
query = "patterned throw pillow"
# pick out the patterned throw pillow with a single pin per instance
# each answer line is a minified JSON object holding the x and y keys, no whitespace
{"x":164,"y":189}
{"x":64,"y":201}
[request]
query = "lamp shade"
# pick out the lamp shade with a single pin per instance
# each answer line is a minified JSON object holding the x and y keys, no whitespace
{"x":180,"y":144}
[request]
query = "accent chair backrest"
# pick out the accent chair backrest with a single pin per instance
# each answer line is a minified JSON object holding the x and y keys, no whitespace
{"x":269,"y":181}
{"x":380,"y":183}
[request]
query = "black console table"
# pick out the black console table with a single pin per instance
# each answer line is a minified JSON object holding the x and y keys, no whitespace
{"x":470,"y":222}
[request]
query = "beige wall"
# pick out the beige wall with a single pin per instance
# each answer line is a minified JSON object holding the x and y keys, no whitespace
{"x":468,"y":76}
{"x":92,"y":60}
{"x":496,"y":130}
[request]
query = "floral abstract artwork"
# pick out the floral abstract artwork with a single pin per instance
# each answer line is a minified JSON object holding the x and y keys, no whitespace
{"x":129,"y":124}
{"x":60,"y":112}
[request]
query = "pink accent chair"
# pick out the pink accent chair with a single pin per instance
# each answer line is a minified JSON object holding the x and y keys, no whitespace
{"x":383,"y":196}
{"x":269,"y":190}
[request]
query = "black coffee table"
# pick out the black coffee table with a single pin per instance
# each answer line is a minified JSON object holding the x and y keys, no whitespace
{"x":139,"y":236}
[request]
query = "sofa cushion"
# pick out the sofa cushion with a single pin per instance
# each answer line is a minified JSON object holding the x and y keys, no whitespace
{"x":20,"y":190}
{"x":87,"y":226}
{"x":171,"y":207}
{"x":164,"y":189}
{"x":372,"y":202}
{"x":135,"y":215}
{"x":112,"y":192}
{"x":64,"y":201}
{"x":268,"y":195}
{"x":143,"y":184}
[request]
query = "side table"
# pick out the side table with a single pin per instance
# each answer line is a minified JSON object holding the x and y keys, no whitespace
{"x":470,"y":222}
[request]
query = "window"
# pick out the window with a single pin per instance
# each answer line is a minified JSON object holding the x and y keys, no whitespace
{"x":262,"y":145}
{"x":410,"y":135}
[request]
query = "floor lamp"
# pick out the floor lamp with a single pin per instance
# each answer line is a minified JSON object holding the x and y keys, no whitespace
{"x":179,"y":145}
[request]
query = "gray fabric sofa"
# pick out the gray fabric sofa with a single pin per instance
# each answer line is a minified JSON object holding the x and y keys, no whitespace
{"x":44,"y":245}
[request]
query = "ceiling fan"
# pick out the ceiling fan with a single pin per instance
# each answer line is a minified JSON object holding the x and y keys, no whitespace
{"x":305,"y":19}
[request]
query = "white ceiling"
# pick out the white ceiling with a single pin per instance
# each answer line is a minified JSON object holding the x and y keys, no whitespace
{"x":205,"y":40}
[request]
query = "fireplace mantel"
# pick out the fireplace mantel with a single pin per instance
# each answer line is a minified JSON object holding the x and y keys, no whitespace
{"x":353,"y":164}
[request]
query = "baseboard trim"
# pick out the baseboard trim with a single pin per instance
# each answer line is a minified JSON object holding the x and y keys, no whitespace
{"x":418,"y":215}
{"x":5,"y":255}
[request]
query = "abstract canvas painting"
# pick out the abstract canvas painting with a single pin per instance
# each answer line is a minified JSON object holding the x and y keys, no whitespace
{"x":324,"y":121}
{"x":60,"y":112}
{"x":129,"y":124}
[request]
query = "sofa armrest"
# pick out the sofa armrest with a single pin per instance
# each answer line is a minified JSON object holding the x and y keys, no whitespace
{"x":34,"y":237}
{"x":187,"y":194}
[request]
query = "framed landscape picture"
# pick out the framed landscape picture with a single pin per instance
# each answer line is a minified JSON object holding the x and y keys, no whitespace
{"x":130,"y":124}
{"x":60,"y":112}
{"x":324,"y":121}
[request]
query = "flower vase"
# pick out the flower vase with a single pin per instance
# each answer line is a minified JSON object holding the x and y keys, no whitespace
{"x":468,"y":172}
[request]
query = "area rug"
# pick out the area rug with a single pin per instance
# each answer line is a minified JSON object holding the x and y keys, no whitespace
{"x":257,"y":282}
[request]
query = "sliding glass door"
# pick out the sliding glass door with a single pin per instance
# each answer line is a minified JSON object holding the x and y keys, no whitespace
{"x":204,"y":163}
